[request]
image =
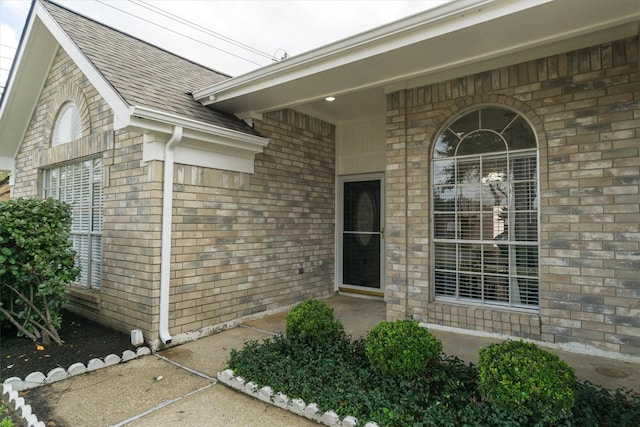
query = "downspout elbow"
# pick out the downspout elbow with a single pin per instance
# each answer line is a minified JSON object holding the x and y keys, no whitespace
{"x":167,"y":220}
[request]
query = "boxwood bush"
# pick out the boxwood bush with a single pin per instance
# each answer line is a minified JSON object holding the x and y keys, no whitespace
{"x":521,"y":378}
{"x":312,"y":322}
{"x":402,"y":348}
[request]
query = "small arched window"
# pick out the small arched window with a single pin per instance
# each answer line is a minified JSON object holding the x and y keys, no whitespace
{"x":485,"y":201}
{"x":68,"y":125}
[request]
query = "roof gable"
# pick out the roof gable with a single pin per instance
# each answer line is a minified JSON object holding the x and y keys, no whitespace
{"x":142,"y":74}
{"x":148,"y":88}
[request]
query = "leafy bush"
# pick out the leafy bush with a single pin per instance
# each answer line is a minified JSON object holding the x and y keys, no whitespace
{"x":596,"y":406}
{"x":521,"y":378}
{"x":340,"y":378}
{"x":402,"y":348}
{"x":36,"y":263}
{"x":313,"y":323}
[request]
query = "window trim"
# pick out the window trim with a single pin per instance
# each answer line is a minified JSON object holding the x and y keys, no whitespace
{"x":511,"y":304}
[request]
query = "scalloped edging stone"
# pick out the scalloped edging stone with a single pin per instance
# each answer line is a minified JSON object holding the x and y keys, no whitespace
{"x":296,"y":406}
{"x":12,"y":386}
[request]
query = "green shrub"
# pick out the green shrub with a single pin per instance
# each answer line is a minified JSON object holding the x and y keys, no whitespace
{"x":36,"y":264}
{"x":5,"y":416}
{"x":313,"y":322}
{"x":401,"y":348}
{"x":521,"y":378}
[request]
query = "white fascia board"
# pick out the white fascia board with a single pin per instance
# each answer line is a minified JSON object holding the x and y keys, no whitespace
{"x":148,"y":118}
{"x":104,"y":88}
{"x":201,"y":145}
{"x":26,"y":79}
{"x":430,"y":24}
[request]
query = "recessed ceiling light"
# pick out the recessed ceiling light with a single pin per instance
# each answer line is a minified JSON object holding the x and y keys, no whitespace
{"x":330,"y":98}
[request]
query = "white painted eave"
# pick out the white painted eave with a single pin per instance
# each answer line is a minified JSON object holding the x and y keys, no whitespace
{"x":453,"y":40}
{"x":202,"y":144}
{"x":24,"y":84}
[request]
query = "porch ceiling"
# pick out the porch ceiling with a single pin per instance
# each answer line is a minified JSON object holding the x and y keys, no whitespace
{"x":457,"y":39}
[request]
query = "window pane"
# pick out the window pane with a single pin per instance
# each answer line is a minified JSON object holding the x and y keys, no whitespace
{"x":519,"y":135}
{"x":469,"y":197}
{"x":444,"y":226}
{"x":444,"y":172}
{"x":524,"y":168}
{"x":470,"y":286}
{"x":444,"y":198}
{"x":446,"y":283}
{"x":446,"y":145}
{"x":468,"y":171}
{"x":466,"y":124}
{"x":445,"y":256}
{"x":96,"y":261}
{"x":481,"y":142}
{"x":495,"y":119}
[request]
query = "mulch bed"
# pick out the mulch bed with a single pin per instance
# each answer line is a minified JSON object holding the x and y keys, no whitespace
{"x":83,"y":340}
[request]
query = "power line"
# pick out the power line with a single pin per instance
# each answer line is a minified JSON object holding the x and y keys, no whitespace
{"x":178,"y":33}
{"x":200,"y":28}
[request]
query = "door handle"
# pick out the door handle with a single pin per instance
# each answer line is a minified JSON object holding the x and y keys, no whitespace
{"x":382,"y":233}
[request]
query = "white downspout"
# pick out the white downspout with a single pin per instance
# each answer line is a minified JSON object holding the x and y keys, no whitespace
{"x":167,"y":209}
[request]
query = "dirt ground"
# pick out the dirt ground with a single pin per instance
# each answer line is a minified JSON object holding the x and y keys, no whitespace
{"x":83,"y":341}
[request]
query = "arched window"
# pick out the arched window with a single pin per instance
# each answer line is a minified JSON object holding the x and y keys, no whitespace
{"x":485,"y":210}
{"x":68,"y":125}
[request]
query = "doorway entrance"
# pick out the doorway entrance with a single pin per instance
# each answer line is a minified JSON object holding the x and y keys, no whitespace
{"x":362,"y":235}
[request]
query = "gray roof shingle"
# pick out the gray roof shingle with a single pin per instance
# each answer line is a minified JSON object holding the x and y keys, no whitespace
{"x":145,"y":75}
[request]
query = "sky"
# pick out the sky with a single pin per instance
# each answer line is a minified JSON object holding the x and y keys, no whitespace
{"x":218,"y":32}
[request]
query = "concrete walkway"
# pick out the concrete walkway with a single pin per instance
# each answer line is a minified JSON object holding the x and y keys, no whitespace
{"x":178,"y":387}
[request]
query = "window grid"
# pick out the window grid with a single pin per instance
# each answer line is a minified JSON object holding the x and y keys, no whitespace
{"x":80,"y":185}
{"x":485,"y":214}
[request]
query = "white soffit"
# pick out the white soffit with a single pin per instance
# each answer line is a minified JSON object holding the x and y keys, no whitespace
{"x":33,"y":60}
{"x":450,"y":41}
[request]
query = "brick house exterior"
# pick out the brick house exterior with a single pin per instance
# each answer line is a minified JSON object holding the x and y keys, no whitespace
{"x":230,"y":229}
{"x":246,"y":241}
{"x":584,"y":108}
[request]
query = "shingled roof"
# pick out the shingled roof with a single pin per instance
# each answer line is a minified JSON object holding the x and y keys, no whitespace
{"x":142,"y":74}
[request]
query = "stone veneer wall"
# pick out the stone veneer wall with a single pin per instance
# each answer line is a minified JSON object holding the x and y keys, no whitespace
{"x":241,"y":240}
{"x":585,"y":108}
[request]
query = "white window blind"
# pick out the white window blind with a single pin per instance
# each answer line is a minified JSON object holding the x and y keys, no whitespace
{"x":80,"y":185}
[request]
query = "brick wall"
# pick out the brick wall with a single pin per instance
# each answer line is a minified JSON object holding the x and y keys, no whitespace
{"x":585,"y":108}
{"x":240,"y":240}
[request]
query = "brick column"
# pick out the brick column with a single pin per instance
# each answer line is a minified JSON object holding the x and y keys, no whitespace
{"x":396,"y":207}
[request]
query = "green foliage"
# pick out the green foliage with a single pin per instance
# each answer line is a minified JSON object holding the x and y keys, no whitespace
{"x":5,"y":418}
{"x":596,"y":406}
{"x":402,"y":348}
{"x":340,"y":378}
{"x":36,"y":264}
{"x":523,"y":379}
{"x":312,"y":322}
